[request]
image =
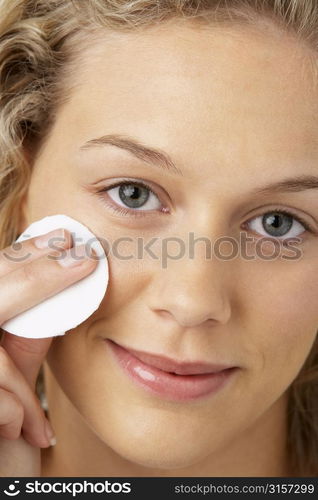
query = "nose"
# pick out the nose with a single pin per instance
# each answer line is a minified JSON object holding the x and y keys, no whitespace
{"x":193,"y":292}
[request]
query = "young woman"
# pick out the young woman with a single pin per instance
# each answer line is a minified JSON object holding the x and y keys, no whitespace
{"x":151,"y":121}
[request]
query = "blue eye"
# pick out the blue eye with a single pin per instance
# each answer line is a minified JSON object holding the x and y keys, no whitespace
{"x":279,"y":224}
{"x":134,"y":196}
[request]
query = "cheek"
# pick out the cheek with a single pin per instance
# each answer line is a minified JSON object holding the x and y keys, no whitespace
{"x":132,"y":273}
{"x":49,"y":192}
{"x":283,"y":321}
{"x":123,"y":305}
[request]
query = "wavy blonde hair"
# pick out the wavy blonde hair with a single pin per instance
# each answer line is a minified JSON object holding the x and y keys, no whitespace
{"x":39,"y":41}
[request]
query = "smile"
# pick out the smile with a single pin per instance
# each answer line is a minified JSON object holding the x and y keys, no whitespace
{"x":167,"y":378}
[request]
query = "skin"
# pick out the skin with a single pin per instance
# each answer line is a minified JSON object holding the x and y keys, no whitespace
{"x":225,"y":105}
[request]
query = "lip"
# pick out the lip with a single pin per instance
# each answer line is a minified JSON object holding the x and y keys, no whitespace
{"x":168,"y":378}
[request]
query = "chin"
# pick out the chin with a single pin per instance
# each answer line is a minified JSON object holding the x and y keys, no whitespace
{"x":165,"y":458}
{"x":155,"y":445}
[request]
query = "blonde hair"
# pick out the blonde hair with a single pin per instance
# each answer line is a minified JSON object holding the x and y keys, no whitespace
{"x":37,"y":45}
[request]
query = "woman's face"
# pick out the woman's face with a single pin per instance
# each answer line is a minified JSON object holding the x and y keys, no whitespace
{"x":236,"y":112}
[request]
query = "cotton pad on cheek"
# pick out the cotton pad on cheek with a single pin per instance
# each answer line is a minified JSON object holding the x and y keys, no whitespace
{"x":73,"y":305}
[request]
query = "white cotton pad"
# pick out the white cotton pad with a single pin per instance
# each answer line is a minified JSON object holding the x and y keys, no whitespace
{"x":73,"y":305}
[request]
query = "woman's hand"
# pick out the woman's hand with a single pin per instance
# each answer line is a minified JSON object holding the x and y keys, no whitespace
{"x":27,"y":277}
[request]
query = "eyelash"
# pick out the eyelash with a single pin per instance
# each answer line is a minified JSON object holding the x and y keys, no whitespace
{"x":144,"y":213}
{"x":285,"y":212}
{"x":127,"y":211}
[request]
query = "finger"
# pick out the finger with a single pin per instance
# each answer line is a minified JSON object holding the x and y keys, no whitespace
{"x":20,"y":253}
{"x":31,"y":284}
{"x":26,"y":354}
{"x":11,"y":415}
{"x":12,"y":381}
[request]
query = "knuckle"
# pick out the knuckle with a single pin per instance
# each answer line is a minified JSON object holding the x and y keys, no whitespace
{"x":6,"y":433}
{"x":5,"y":362}
{"x":17,"y":252}
{"x":11,"y":407}
{"x":29,"y":274}
{"x":12,"y":430}
{"x":19,"y":411}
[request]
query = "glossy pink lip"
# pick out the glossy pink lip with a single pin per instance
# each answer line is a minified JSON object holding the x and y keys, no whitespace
{"x":169,"y":378}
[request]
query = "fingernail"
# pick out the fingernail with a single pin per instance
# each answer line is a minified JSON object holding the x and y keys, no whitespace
{"x":50,"y":434}
{"x":75,"y":256}
{"x":43,"y":241}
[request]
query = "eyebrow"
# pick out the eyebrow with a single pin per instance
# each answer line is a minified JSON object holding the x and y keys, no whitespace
{"x":158,"y":158}
{"x":154,"y":157}
{"x":292,"y":184}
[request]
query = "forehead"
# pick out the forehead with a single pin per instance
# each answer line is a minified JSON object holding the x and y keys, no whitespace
{"x":206,"y":85}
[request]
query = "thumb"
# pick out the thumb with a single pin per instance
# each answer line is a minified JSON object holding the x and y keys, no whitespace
{"x":27,"y":354}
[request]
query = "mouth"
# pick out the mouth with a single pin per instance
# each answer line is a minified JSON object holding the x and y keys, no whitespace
{"x":168,"y":378}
